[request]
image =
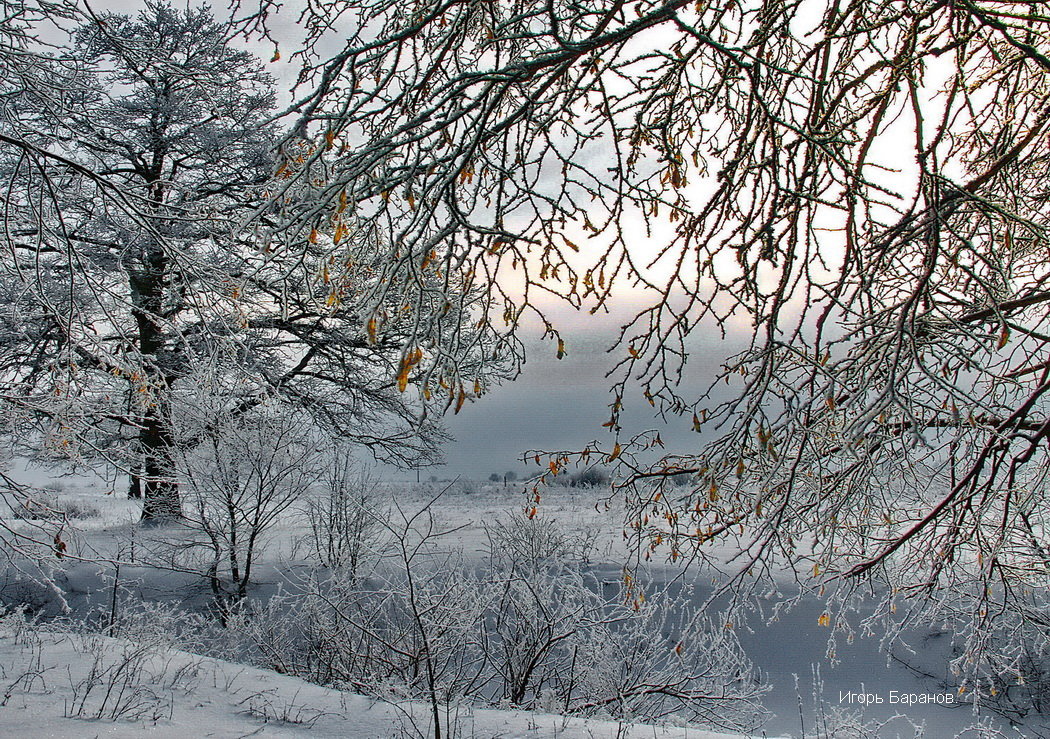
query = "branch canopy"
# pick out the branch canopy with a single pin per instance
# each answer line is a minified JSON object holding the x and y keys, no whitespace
{"x":862,"y":183}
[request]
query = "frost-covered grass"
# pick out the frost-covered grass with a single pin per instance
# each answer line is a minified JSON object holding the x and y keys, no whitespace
{"x":59,"y":684}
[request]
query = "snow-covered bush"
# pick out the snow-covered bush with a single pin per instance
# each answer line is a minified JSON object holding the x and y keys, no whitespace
{"x":164,"y":625}
{"x":533,"y":628}
{"x":345,"y":514}
{"x":240,"y":480}
{"x":592,"y":477}
{"x":528,"y":628}
{"x":467,"y":486}
{"x":560,"y":639}
{"x":45,"y":505}
{"x":407,"y":630}
{"x":521,"y":540}
{"x":654,"y":657}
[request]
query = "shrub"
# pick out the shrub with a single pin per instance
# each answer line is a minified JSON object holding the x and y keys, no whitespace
{"x":45,"y":506}
{"x":240,"y":480}
{"x":592,"y":477}
{"x":534,"y":629}
{"x":345,"y":515}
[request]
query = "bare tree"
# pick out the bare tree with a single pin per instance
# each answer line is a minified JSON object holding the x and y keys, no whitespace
{"x":345,"y":514}
{"x":242,"y":478}
{"x":863,"y":183}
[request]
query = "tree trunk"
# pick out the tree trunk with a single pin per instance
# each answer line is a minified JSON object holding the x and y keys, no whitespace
{"x":156,"y":437}
{"x":135,"y":483}
{"x":161,"y":500}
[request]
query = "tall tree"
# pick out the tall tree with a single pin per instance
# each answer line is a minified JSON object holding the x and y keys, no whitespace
{"x":127,"y":319}
{"x":862,"y":183}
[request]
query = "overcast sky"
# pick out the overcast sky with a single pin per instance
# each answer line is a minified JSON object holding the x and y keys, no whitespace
{"x":562,"y":404}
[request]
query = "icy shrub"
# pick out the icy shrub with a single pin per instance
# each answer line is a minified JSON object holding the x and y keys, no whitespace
{"x":163,"y":624}
{"x":239,"y":482}
{"x":533,"y":629}
{"x":559,"y":639}
{"x":408,"y":628}
{"x":79,"y":509}
{"x":653,"y":657}
{"x":466,"y":486}
{"x":592,"y":477}
{"x":517,"y":538}
{"x":344,"y":515}
{"x":44,"y":505}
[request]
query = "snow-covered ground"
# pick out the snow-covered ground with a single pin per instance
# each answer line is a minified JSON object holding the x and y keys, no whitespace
{"x":75,"y":685}
{"x":44,"y":674}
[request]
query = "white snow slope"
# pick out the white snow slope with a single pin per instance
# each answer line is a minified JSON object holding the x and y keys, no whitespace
{"x":73,"y":685}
